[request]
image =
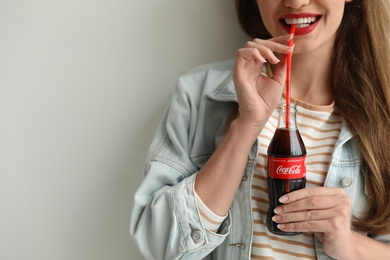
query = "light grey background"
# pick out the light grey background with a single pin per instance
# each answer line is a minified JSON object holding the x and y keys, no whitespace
{"x":83,"y":84}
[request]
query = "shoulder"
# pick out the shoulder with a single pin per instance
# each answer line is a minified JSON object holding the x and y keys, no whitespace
{"x":217,"y":67}
{"x":218,"y":72}
{"x":207,"y":79}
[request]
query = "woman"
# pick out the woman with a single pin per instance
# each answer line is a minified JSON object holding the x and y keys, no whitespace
{"x":204,"y":193}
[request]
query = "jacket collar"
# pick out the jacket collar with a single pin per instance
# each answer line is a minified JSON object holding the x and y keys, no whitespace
{"x":225,"y":92}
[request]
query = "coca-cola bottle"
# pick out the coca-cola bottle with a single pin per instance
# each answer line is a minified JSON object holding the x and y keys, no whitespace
{"x":286,"y":162}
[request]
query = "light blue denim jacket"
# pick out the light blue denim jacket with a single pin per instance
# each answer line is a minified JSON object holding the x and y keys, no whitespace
{"x":165,"y":222}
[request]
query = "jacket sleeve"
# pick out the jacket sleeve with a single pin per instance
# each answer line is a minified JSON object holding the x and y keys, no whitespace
{"x":165,"y":222}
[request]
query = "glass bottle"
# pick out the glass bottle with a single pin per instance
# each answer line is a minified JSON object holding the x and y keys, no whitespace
{"x":286,"y":162}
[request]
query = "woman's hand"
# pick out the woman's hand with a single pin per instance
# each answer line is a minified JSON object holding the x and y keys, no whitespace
{"x":258,"y":95}
{"x":324,"y":211}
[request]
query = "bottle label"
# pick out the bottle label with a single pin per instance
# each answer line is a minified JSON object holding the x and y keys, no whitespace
{"x":286,"y":168}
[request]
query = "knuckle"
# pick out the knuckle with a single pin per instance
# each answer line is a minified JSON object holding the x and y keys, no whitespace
{"x":341,"y":191}
{"x":246,"y":53}
{"x":248,"y":44}
{"x":311,"y":215}
{"x":309,"y":225}
{"x":346,"y":201}
{"x":312,"y":191}
{"x":239,"y":52}
{"x":257,"y":40}
{"x":268,"y":52}
{"x":344,"y":213}
{"x":312,"y":201}
{"x":292,"y":226}
{"x":335,"y":224}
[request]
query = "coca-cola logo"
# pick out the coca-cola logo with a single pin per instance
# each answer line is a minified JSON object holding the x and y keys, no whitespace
{"x":295,"y":169}
{"x":287,"y":168}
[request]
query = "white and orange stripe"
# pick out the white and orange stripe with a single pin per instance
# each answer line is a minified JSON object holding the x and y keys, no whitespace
{"x":209,"y":219}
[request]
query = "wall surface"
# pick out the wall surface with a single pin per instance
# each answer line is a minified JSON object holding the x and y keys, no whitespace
{"x":83,"y":84}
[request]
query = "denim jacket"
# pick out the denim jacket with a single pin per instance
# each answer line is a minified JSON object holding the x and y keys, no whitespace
{"x":165,"y":222}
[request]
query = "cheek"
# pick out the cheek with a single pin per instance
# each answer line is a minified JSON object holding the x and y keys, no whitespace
{"x":337,"y":13}
{"x":334,"y":20}
{"x":269,"y":22}
{"x":267,"y":9}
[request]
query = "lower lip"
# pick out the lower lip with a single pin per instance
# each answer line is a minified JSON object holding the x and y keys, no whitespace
{"x":304,"y":30}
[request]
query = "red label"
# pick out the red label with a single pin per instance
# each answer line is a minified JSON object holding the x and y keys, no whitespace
{"x":287,"y":168}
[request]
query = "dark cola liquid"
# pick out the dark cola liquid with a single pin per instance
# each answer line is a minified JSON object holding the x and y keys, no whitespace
{"x":286,"y":143}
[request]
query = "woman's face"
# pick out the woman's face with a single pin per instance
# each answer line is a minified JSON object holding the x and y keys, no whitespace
{"x":316,"y":20}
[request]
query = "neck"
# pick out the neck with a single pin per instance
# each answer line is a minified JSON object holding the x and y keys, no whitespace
{"x":311,"y":79}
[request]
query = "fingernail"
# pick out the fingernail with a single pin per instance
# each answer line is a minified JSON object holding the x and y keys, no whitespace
{"x":278,"y":210}
{"x":281,"y":226}
{"x":276,"y":218}
{"x":283,"y":199}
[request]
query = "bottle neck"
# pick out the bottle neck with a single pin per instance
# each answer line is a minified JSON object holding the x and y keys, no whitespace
{"x":287,"y":116}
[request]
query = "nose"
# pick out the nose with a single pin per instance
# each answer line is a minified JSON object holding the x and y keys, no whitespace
{"x":296,"y":4}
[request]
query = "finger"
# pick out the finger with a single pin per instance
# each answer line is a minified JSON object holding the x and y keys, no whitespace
{"x":248,"y":65}
{"x":307,"y":226}
{"x":264,"y":51}
{"x":335,"y":203}
{"x":308,"y":215}
{"x":276,"y":46}
{"x":268,"y":49}
{"x":311,"y":192}
{"x":313,"y":203}
{"x":326,"y":226}
{"x":309,"y":203}
{"x":282,"y":39}
{"x":279,"y":46}
{"x":249,"y":55}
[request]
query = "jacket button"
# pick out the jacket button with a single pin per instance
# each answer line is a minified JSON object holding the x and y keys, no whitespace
{"x":244,"y":178}
{"x":239,"y":245}
{"x":196,"y":235}
{"x":346,"y":182}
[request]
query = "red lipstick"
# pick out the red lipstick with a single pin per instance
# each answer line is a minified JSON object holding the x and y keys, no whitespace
{"x":301,"y":28}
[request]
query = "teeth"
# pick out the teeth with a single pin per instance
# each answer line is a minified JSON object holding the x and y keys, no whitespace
{"x":299,"y":26}
{"x":300,"y":22}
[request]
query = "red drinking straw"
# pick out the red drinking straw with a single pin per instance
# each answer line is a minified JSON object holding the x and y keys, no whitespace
{"x":288,"y":78}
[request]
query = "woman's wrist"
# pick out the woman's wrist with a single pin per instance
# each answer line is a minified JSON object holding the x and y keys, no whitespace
{"x":251,"y":128}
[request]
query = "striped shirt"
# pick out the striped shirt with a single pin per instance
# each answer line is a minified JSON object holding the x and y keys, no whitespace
{"x":319,"y":127}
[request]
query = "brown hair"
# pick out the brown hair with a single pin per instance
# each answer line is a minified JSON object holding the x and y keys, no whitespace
{"x":361,"y":82}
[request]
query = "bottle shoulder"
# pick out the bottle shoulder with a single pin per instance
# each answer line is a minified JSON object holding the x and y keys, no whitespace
{"x":286,"y":143}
